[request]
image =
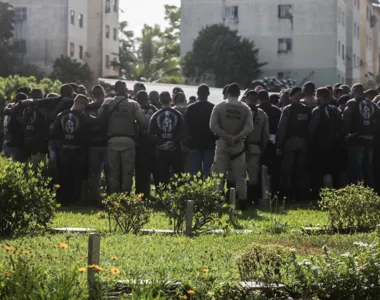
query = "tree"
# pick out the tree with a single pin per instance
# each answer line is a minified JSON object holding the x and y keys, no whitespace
{"x":7,"y":60}
{"x":66,"y":69}
{"x":221,"y":55}
{"x":155,"y":55}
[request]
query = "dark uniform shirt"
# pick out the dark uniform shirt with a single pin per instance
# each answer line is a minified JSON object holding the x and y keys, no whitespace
{"x":167,"y":125}
{"x":98,"y":132}
{"x":197,"y":120}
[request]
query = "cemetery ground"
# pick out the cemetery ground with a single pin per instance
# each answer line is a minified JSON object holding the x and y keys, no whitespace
{"x":54,"y":265}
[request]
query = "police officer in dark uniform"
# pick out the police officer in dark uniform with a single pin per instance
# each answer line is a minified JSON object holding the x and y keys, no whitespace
{"x":360,"y":125}
{"x":167,"y":129}
{"x":292,"y":141}
{"x":146,"y":161}
{"x":269,"y":157}
{"x":324,"y":140}
{"x":72,"y":127}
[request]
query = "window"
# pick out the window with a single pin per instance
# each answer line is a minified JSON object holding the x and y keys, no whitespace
{"x":72,"y":17}
{"x":72,"y":49}
{"x":108,"y":6}
{"x":338,"y":78}
{"x":20,"y":13}
{"x":285,"y":45}
{"x":81,"y":20}
{"x":339,"y":15}
{"x":81,"y":52}
{"x":354,"y":29}
{"x":343,"y":57}
{"x":115,"y":31}
{"x":285,"y":11}
{"x":19,"y":46}
{"x":231,"y":12}
{"x":357,"y":31}
{"x":281,"y":75}
{"x":370,"y":43}
{"x":338,"y":48}
{"x":116,"y":6}
{"x":114,"y":63}
{"x":107,"y":61}
{"x":107,"y":32}
{"x":343,"y":18}
{"x":354,"y":61}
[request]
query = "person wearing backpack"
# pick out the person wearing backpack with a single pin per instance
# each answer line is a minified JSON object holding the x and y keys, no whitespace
{"x":121,"y":153}
{"x":13,"y":146}
{"x":360,"y":125}
{"x":324,"y":141}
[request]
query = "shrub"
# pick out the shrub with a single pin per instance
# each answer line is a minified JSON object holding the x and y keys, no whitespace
{"x":353,"y":208}
{"x":26,"y":198}
{"x":263,"y":264}
{"x":128,"y":213}
{"x":207,"y":195}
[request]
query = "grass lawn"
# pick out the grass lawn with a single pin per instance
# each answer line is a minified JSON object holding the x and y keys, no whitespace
{"x":171,"y":257}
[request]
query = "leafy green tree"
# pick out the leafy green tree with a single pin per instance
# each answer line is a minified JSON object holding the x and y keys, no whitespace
{"x":66,"y":69}
{"x":155,"y":55}
{"x":7,"y":60}
{"x":221,"y":55}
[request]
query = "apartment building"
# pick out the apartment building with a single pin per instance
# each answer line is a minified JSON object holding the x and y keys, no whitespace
{"x":85,"y":30}
{"x":306,"y":40}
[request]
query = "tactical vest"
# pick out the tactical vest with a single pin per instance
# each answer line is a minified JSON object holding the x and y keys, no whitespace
{"x":258,"y":122}
{"x":298,"y":125}
{"x":233,"y":118}
{"x":122,"y":119}
{"x":366,"y":120}
{"x":329,"y":125}
{"x":35,"y":125}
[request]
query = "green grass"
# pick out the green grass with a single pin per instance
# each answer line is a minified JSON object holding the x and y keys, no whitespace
{"x":170,"y":257}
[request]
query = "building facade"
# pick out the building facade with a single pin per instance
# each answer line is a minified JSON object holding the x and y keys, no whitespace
{"x":306,"y":40}
{"x":85,"y":30}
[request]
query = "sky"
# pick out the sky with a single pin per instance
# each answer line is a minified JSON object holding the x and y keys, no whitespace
{"x":140,"y":12}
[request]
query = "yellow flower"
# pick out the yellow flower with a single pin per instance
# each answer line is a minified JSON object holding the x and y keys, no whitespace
{"x":100,"y":213}
{"x":57,"y":186}
{"x":82,"y":270}
{"x":205,"y":270}
{"x":115,"y":271}
{"x":114,"y":258}
{"x":7,"y":274}
{"x":190,"y":292}
{"x":184,"y":297}
{"x":96,"y":267}
{"x":26,"y":252}
{"x":63,"y":246}
{"x":9,"y":249}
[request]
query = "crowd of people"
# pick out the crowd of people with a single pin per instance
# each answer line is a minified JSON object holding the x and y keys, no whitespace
{"x":308,"y":138}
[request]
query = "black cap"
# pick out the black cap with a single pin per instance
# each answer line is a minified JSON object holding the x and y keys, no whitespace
{"x":294,"y":91}
{"x":140,"y":85}
{"x":252,"y":92}
{"x":309,"y":86}
{"x":371,"y":92}
{"x":177,"y":90}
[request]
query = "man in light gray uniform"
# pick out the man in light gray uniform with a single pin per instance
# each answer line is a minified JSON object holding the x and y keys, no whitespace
{"x":257,"y":141}
{"x":123,"y":113}
{"x":232,"y":121}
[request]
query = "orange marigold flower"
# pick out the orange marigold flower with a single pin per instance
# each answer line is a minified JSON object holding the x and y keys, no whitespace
{"x":205,"y":270}
{"x":7,"y":274}
{"x":82,"y":270}
{"x":115,"y":271}
{"x":184,"y":297}
{"x":114,"y":258}
{"x":63,"y":246}
{"x":81,"y":257}
{"x":91,"y":266}
{"x":99,"y":268}
{"x":190,"y":292}
{"x":9,"y":249}
{"x":57,"y":186}
{"x":100,"y":212}
{"x":26,"y":252}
